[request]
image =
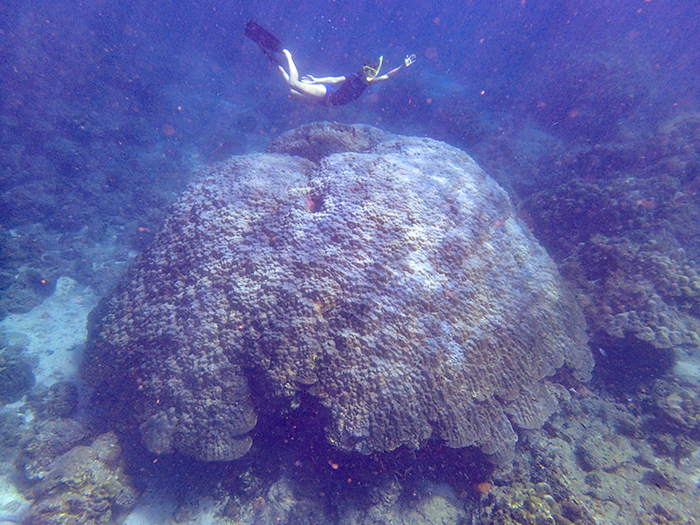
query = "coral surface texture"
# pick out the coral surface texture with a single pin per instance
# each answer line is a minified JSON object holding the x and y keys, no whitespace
{"x":385,"y":276}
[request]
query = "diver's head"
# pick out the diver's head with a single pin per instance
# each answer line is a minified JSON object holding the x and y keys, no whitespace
{"x":371,"y":69}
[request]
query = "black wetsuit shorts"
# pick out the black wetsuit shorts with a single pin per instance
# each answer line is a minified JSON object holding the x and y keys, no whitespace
{"x":348,"y":91}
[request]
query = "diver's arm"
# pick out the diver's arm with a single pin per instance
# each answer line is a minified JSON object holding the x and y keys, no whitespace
{"x":309,"y":79}
{"x":406,"y":62}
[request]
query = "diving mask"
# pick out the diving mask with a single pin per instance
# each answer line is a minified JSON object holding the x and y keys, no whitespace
{"x":372,"y":72}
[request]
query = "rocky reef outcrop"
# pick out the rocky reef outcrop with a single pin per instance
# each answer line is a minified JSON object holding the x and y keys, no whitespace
{"x":86,"y":484}
{"x":627,"y":238}
{"x":385,"y":276}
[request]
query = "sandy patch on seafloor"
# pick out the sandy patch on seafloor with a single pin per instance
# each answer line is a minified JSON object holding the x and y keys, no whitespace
{"x":688,"y":367}
{"x":52,"y":335}
{"x":54,"y":332}
{"x":13,"y":506}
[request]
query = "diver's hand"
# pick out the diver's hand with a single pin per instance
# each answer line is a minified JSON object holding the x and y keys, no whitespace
{"x":308,"y":79}
{"x":410,"y":59}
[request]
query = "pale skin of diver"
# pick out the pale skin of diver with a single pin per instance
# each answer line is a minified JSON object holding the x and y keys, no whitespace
{"x":311,"y":89}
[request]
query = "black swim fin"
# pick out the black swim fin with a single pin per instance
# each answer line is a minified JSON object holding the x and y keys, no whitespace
{"x":266,"y":40}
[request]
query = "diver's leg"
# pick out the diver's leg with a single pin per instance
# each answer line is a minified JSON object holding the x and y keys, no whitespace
{"x":297,"y":94}
{"x":293,"y":73}
{"x":311,"y":90}
{"x":284,"y":75}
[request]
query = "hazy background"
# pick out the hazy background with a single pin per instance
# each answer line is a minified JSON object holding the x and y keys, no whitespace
{"x":108,"y":107}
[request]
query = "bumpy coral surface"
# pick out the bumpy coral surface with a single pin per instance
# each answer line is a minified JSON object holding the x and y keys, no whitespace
{"x":641,"y":289}
{"x":86,"y":485}
{"x":628,"y":236}
{"x":388,"y":277}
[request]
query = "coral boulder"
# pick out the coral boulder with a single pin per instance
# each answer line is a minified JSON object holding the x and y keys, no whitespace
{"x":386,"y":276}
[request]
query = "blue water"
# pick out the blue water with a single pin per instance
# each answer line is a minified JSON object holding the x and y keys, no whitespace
{"x":107,"y":109}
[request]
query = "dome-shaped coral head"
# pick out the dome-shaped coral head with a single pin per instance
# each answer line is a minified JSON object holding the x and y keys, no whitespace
{"x":387,"y":280}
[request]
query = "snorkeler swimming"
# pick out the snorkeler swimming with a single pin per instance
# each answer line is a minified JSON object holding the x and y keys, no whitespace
{"x":326,"y":91}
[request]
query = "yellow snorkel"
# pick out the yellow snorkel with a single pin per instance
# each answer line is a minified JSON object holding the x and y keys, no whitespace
{"x":381,"y":59}
{"x":372,"y":73}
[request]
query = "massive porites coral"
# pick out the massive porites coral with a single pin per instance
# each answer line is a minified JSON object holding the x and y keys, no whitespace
{"x":387,"y":277}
